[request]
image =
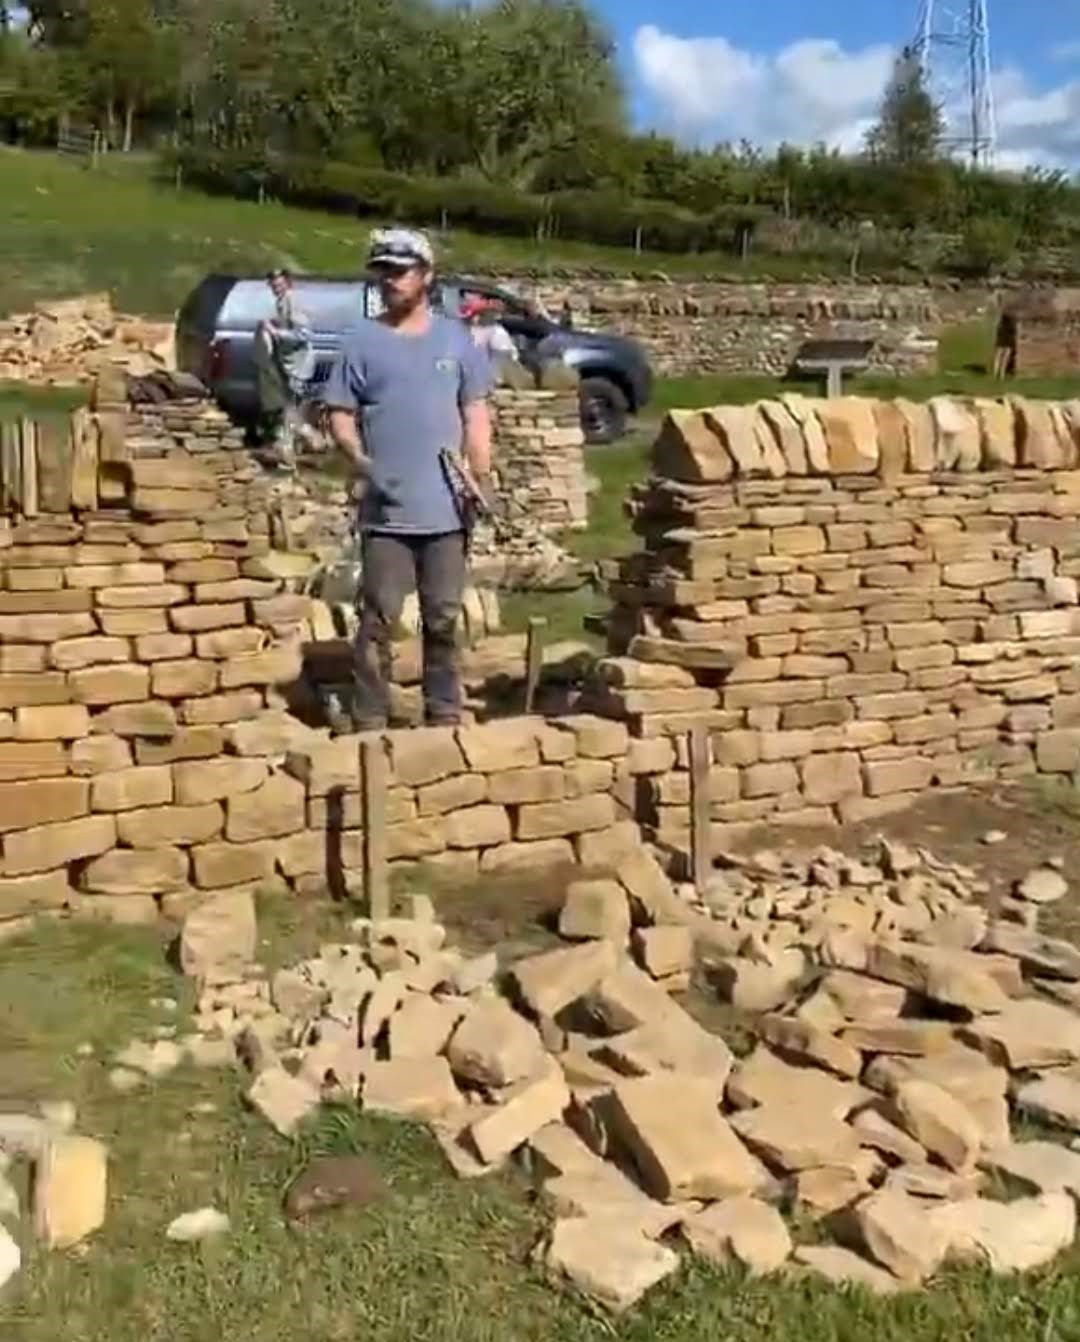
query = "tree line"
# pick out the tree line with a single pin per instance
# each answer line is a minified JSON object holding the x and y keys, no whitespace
{"x":508,"y":116}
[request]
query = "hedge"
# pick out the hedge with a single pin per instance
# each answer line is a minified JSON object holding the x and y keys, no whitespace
{"x":582,"y":216}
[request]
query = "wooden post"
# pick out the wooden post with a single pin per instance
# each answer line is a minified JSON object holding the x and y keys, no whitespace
{"x":700,"y":839}
{"x":374,"y":781}
{"x":29,"y":437}
{"x":534,"y":658}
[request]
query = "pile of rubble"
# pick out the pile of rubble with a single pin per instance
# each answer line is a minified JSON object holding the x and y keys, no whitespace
{"x":66,"y":342}
{"x":895,"y":1025}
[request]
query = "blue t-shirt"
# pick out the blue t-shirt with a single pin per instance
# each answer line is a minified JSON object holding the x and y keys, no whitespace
{"x":408,"y":392}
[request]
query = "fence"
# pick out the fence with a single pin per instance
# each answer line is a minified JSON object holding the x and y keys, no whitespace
{"x":79,"y":142}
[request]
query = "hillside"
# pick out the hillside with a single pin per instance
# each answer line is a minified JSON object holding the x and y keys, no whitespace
{"x":67,"y":229}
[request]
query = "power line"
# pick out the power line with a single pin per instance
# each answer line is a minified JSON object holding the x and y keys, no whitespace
{"x":952,"y":45}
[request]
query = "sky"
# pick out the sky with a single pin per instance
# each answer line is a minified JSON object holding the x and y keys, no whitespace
{"x":814,"y":70}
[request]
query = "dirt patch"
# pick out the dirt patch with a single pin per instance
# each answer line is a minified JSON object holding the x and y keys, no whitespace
{"x":516,"y":913}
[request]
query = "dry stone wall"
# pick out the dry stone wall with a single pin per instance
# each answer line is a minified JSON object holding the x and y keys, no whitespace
{"x":699,"y":326}
{"x":860,"y":600}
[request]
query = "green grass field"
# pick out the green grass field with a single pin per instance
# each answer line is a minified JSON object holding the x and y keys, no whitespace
{"x":68,"y":229}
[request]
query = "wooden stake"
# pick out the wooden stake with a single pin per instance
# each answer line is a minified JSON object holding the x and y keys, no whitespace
{"x":700,"y":842}
{"x":534,"y":658}
{"x":374,"y":781}
{"x":29,"y":468}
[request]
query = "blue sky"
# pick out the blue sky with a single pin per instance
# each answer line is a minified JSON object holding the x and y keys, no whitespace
{"x":814,"y":69}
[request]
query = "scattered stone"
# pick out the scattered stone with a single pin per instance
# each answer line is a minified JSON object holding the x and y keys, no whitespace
{"x":913,"y":1038}
{"x":327,"y":1182}
{"x":60,"y":1115}
{"x":844,"y":1268}
{"x":192,"y":1227}
{"x":607,"y":1261}
{"x":471,"y":975}
{"x":947,"y":976}
{"x":422,"y":1025}
{"x":70,"y":1181}
{"x":410,"y":1087}
{"x":1044,"y":885}
{"x":825,"y":1189}
{"x":672,"y":1130}
{"x":595,"y":909}
{"x":551,"y":981}
{"x":794,"y":1139}
{"x":804,"y":1043}
{"x":123,"y":1080}
{"x":494,"y":1046}
{"x":901,"y":1235}
{"x":764,"y":1079}
{"x":153,"y":1060}
{"x":939,"y":1122}
{"x":379,"y":1005}
{"x":9,"y":1198}
{"x":671,"y":1043}
{"x":863,"y":999}
{"x":204,"y":1052}
{"x":219,"y":935}
{"x":1028,"y":1035}
{"x":283,"y":1100}
{"x":1008,"y":1236}
{"x":1054,"y":1099}
{"x":524,"y":1109}
{"x":994,"y":836}
{"x":1038,"y":954}
{"x":761,"y":987}
{"x":1045,"y":1166}
{"x":923,"y":1180}
{"x":663,"y":951}
{"x":875,"y":1130}
{"x":295,"y":996}
{"x":740,"y":1229}
{"x":10,"y":1258}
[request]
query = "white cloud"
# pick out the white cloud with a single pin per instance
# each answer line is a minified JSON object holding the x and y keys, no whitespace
{"x":1066,"y":52}
{"x":814,"y":90}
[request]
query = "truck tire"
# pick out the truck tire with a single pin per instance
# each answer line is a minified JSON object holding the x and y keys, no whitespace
{"x":604,"y":409}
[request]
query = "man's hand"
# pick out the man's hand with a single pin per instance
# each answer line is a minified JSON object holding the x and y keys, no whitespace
{"x":346,"y":434}
{"x":476,"y":420}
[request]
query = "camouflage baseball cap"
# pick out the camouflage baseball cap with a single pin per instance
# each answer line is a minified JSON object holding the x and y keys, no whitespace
{"x":402,"y":247}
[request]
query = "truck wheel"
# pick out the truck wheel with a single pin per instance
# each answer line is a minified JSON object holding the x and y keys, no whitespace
{"x":604,"y":408}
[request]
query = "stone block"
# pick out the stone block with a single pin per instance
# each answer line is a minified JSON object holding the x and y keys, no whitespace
{"x":157,"y":826}
{"x":517,"y":786}
{"x":45,"y":847}
{"x":52,"y":722}
{"x":200,"y":619}
{"x":851,"y":435}
{"x":940,"y":1123}
{"x":151,"y":719}
{"x":131,"y":788}
{"x":219,"y":935}
{"x":551,"y":981}
{"x":495,"y":1046}
{"x":595,"y":910}
{"x":22,"y":895}
{"x":545,"y":820}
{"x":452,"y":794}
{"x":415,"y":1088}
{"x":525,"y":1107}
{"x":70,"y":1190}
{"x":187,"y":743}
{"x":543,"y":855}
{"x":273,"y":809}
{"x":672,"y":1130}
{"x":218,"y":865}
{"x":498,"y":746}
{"x":275,"y":666}
{"x":181,"y":679}
{"x":73,"y":654}
{"x":42,"y":801}
{"x":136,"y":871}
{"x":198,"y":781}
{"x":828,"y":778}
{"x":741,"y":1230}
{"x":283,"y":1100}
{"x":607,"y":1259}
{"x":476,"y":827}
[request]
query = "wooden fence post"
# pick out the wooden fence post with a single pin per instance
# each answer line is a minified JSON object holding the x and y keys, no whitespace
{"x":374,"y":781}
{"x":700,"y":820}
{"x":534,"y":658}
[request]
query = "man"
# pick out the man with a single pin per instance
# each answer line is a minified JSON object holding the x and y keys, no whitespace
{"x":406,"y":390}
{"x":1006,"y":339}
{"x":488,"y":332}
{"x":285,"y":360}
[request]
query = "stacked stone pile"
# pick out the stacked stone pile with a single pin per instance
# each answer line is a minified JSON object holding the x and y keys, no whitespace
{"x":69,"y":341}
{"x":861,"y":599}
{"x":875,"y":1101}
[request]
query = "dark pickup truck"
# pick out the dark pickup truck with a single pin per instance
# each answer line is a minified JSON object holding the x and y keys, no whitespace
{"x":215,"y":333}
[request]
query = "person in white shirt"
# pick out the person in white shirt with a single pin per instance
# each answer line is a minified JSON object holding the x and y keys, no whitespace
{"x":488,"y":333}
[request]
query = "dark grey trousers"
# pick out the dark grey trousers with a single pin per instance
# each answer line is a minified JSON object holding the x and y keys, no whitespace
{"x":393,"y":566}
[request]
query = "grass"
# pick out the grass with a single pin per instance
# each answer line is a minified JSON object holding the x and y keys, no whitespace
{"x":74,"y":230}
{"x":438,"y":1260}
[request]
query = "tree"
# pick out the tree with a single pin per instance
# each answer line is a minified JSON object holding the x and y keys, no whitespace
{"x":911,"y":126}
{"x":131,"y":59}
